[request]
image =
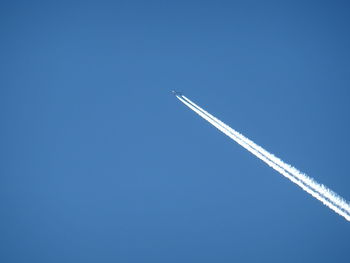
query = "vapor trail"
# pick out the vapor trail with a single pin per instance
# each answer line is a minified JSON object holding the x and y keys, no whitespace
{"x":307,"y":184}
{"x":327,"y":193}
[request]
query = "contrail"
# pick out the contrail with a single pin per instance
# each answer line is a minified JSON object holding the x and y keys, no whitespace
{"x":327,"y":193}
{"x":320,"y":192}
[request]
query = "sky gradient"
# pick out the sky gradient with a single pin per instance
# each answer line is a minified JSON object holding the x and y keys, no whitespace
{"x":101,"y":163}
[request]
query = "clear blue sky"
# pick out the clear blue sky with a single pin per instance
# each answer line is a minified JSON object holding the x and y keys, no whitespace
{"x":100,"y":163}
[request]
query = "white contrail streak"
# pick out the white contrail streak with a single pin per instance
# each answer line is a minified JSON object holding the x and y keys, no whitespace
{"x":327,"y":193}
{"x":320,"y":192}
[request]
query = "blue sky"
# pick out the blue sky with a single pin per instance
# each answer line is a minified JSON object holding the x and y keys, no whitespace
{"x":100,"y":163}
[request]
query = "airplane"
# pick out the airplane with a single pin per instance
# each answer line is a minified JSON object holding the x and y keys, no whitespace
{"x":176,"y":93}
